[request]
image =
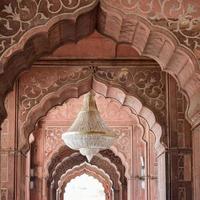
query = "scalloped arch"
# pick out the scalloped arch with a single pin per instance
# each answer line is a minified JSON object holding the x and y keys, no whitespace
{"x":159,"y":44}
{"x":75,"y":164}
{"x":75,"y":90}
{"x":62,"y":166}
{"x":140,"y":125}
{"x":149,"y":40}
{"x":86,"y":168}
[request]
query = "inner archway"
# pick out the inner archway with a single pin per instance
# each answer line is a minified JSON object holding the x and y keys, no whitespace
{"x":132,"y":132}
{"x":84,"y":186}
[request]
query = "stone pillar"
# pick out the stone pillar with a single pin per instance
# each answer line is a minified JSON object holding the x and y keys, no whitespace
{"x":130,"y":184}
{"x":27,"y":191}
{"x":0,"y":161}
{"x":20,"y":174}
{"x":117,"y":195}
{"x":51,"y":192}
{"x":161,"y":176}
{"x":196,"y":161}
{"x":44,"y":189}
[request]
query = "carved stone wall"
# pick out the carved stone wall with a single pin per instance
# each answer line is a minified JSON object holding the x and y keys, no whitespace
{"x":180,"y":145}
{"x":148,"y":85}
{"x":144,"y":83}
{"x":17,"y":18}
{"x":8,"y":151}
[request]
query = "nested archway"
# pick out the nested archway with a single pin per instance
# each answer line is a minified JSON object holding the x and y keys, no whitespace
{"x":90,"y":170}
{"x":113,"y":93}
{"x":74,"y":90}
{"x":149,"y":40}
{"x":100,"y":167}
{"x":154,"y":36}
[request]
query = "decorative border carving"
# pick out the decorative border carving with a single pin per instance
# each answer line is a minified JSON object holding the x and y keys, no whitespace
{"x":22,"y":16}
{"x":4,"y":167}
{"x":159,"y":44}
{"x":179,"y":16}
{"x":143,"y":83}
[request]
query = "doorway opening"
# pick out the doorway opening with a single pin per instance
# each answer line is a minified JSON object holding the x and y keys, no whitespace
{"x":84,"y":187}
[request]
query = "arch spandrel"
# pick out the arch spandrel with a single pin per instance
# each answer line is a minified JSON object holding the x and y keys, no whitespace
{"x":162,"y":14}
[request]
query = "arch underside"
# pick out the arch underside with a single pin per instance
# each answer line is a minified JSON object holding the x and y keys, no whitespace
{"x":149,"y":40}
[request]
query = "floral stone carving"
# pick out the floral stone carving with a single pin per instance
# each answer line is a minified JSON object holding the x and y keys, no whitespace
{"x":17,"y":17}
{"x":146,"y":84}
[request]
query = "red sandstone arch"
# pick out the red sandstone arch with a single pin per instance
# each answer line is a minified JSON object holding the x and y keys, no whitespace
{"x":84,"y":168}
{"x":76,"y":90}
{"x":90,"y":170}
{"x":66,"y":154}
{"x":161,"y":45}
{"x":134,"y":104}
{"x":56,"y":174}
{"x":152,"y":41}
{"x":140,"y":125}
{"x":76,"y":159}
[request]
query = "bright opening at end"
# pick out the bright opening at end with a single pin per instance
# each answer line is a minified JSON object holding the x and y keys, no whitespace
{"x":84,"y":187}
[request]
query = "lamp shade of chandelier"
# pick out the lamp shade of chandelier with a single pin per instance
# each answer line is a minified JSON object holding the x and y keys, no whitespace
{"x":89,"y":133}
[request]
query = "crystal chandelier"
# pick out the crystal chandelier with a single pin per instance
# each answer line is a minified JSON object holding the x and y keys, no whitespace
{"x":88,"y":133}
